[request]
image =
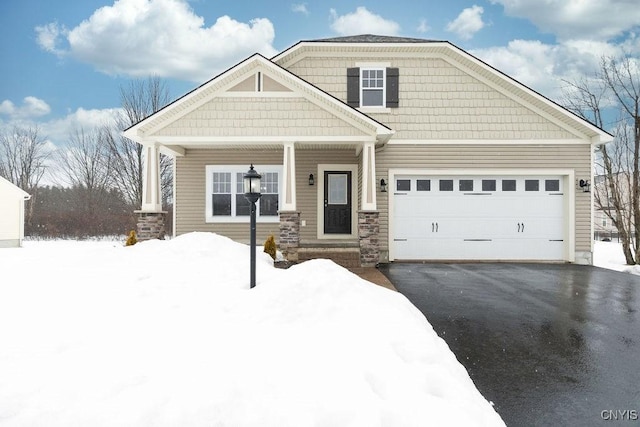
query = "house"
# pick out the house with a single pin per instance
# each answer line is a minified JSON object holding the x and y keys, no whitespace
{"x":604,"y":209}
{"x":396,"y":148}
{"x":12,"y":200}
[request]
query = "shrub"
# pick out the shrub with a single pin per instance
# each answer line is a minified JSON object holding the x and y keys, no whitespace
{"x":270,"y":246}
{"x":131,"y":240}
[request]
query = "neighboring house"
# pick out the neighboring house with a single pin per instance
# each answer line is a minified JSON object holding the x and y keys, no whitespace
{"x":418,"y":151}
{"x":12,"y":200}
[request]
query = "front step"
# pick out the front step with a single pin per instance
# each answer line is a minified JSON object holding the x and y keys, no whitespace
{"x":346,"y":257}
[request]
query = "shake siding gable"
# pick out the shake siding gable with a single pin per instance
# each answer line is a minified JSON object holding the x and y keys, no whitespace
{"x":438,"y":101}
{"x":258,"y":116}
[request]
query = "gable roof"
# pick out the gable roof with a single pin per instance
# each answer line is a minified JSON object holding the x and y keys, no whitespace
{"x":12,"y":188}
{"x":387,"y":46}
{"x":232,"y":76}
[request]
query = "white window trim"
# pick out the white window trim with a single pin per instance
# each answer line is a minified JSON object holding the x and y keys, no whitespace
{"x":384,"y":87}
{"x":234,"y":169}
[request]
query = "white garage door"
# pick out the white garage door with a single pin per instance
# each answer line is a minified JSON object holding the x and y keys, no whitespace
{"x":478,"y":218}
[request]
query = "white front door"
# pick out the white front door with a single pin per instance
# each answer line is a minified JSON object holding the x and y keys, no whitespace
{"x":478,"y":218}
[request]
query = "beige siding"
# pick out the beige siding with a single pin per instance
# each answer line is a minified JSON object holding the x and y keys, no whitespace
{"x":259,"y":116}
{"x":307,"y":162}
{"x":576,"y":157}
{"x":438,"y":101}
{"x":191,"y":193}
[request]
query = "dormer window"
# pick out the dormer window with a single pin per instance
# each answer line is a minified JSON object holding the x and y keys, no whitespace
{"x":371,"y":86}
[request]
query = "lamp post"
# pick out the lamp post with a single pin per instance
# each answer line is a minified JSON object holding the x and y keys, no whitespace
{"x":252,"y":194}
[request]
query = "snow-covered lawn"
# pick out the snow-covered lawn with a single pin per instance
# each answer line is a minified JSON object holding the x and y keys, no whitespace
{"x":169,"y":334}
{"x":609,"y":255}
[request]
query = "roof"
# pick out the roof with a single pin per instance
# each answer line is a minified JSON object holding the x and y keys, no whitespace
{"x":19,"y":192}
{"x":372,"y":38}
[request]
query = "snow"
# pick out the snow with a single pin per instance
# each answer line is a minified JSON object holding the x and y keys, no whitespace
{"x":168,"y":333}
{"x":609,"y":255}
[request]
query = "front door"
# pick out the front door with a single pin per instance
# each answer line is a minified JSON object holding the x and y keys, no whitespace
{"x":337,"y":202}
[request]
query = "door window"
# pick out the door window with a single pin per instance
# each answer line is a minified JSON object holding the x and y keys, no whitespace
{"x":337,"y":189}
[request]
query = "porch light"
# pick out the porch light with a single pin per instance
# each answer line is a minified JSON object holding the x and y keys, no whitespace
{"x":585,"y":185}
{"x":311,"y":180}
{"x":252,"y":194}
{"x":383,"y":186}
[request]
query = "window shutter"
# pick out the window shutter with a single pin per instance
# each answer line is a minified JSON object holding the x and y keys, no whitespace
{"x":392,"y":87}
{"x":353,"y":87}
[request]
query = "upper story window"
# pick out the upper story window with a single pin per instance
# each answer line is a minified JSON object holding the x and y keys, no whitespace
{"x":372,"y":86}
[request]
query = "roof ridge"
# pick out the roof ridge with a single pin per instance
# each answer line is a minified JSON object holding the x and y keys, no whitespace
{"x":372,"y":38}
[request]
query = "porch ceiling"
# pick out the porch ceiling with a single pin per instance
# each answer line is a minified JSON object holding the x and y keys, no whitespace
{"x":249,"y":146}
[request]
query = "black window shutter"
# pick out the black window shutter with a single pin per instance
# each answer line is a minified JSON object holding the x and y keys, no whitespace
{"x":393,"y":75}
{"x":353,"y":87}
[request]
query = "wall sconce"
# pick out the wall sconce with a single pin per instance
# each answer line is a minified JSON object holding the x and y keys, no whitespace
{"x":585,"y":185}
{"x":311,"y":180}
{"x":383,"y":186}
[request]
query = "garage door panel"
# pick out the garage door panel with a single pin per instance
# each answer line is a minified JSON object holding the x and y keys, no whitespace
{"x":520,"y":220}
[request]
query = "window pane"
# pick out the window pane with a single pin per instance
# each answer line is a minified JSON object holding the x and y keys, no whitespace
{"x":243,"y":206}
{"x":403,"y":185}
{"x":372,"y":97}
{"x":488,"y":185}
{"x":424,"y":185}
{"x":531,"y":185}
{"x":222,"y":182}
{"x":446,"y":185}
{"x":269,"y":183}
{"x":269,"y":205}
{"x":239,"y":183}
{"x":221,"y":204}
{"x":552,"y":185}
{"x":466,"y":185}
{"x":508,"y":185}
{"x":337,"y":189}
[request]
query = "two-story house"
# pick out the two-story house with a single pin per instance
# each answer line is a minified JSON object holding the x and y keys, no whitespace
{"x":394,"y":148}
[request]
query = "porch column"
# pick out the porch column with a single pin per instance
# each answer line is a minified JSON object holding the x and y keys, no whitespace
{"x":368,"y":216}
{"x":368,"y":197}
{"x":289,"y":216}
{"x":151,"y":216}
{"x":289,"y":177}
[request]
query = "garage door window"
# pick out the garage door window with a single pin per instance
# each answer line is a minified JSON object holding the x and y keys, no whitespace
{"x":531,"y":185}
{"x":446,"y":185}
{"x":508,"y":185}
{"x":488,"y":185}
{"x":403,"y":185}
{"x":424,"y":185}
{"x":552,"y":185}
{"x":466,"y":185}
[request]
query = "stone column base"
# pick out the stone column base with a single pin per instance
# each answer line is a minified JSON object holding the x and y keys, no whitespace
{"x":368,"y":231}
{"x":289,"y":234}
{"x":150,"y":225}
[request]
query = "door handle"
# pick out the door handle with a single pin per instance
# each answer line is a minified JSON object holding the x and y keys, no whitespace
{"x":325,"y":203}
{"x":436,"y":227}
{"x":518,"y":227}
{"x":433,"y":227}
{"x":523,"y":227}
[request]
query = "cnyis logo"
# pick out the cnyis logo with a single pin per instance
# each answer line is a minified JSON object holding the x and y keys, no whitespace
{"x":619,"y":415}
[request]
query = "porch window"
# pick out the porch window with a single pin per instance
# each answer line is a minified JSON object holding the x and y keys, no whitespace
{"x":225,"y":194}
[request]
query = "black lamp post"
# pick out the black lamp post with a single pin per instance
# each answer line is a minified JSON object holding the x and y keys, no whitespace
{"x":252,"y":194}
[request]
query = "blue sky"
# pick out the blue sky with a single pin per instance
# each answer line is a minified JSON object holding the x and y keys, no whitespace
{"x":63,"y":61}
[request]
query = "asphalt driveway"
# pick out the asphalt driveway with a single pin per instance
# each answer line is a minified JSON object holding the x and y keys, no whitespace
{"x":553,"y":344}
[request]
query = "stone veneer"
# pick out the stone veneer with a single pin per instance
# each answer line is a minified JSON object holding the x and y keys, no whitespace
{"x":150,"y":225}
{"x":289,"y":234}
{"x":368,"y":231}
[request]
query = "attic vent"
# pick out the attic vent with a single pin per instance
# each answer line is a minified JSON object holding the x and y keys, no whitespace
{"x":259,"y":82}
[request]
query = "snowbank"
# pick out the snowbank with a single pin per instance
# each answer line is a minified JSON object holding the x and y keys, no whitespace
{"x":609,"y":255}
{"x":169,"y":334}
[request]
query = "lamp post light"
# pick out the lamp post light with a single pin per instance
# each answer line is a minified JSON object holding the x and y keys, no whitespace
{"x":252,"y":194}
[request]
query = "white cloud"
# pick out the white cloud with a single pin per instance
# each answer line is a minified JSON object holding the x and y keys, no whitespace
{"x":300,"y":8}
{"x":423,"y":27}
{"x":31,"y":107}
{"x":362,"y":22}
{"x":467,"y":23}
{"x":577,"y":19}
{"x":543,"y":67}
{"x":159,"y":37}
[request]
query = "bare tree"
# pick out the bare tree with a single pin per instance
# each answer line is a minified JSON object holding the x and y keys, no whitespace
{"x":85,"y":164}
{"x":23,"y":156}
{"x":616,"y":85}
{"x":139,"y":100}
